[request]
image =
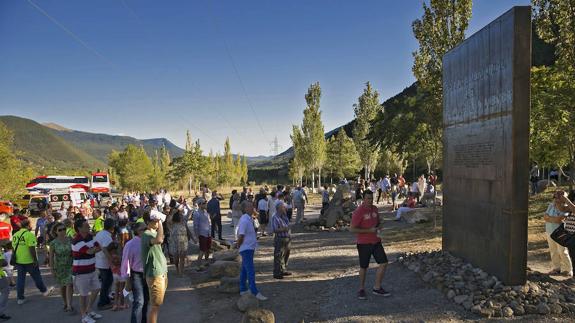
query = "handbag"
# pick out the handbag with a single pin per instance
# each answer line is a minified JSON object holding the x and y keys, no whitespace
{"x":563,"y":237}
{"x":13,"y":258}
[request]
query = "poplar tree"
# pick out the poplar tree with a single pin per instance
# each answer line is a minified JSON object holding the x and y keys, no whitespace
{"x":441,"y":28}
{"x":342,"y":158}
{"x":553,"y":88}
{"x":297,"y":166}
{"x":365,"y":111}
{"x":313,"y":132}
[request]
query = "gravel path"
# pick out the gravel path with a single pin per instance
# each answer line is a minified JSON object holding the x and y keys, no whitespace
{"x":324,"y":285}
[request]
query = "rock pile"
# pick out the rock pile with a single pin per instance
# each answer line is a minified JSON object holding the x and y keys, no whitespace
{"x":258,"y":315}
{"x":483,"y":294}
{"x":337,"y":216}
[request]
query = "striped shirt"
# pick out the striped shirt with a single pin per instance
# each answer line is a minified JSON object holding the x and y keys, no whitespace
{"x":83,"y":263}
{"x":279,"y":222}
{"x":569,"y":223}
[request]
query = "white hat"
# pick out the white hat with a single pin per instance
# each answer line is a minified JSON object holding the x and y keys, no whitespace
{"x":156,"y":215}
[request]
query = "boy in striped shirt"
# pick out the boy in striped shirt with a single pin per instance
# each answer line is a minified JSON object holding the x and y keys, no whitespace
{"x":86,"y":282}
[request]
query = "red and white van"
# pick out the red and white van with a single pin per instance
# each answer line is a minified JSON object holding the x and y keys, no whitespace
{"x":100,"y":183}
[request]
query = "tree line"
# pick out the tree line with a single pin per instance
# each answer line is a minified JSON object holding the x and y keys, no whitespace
{"x":409,"y":127}
{"x":135,"y":171}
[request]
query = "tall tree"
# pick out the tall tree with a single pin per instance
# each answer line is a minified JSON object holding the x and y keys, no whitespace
{"x":298,"y":163}
{"x":313,"y":132}
{"x":441,"y":28}
{"x":13,"y":173}
{"x":342,"y":158}
{"x":228,"y":173}
{"x":244,"y":177}
{"x":133,"y":167}
{"x":365,"y":111}
{"x":553,"y":89}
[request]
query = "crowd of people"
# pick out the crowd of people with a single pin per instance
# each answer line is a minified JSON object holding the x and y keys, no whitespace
{"x":117,"y":256}
{"x":122,"y":248}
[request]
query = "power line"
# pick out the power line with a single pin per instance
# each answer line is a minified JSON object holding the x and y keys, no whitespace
{"x":216,"y":110}
{"x":69,"y":32}
{"x":236,"y":71}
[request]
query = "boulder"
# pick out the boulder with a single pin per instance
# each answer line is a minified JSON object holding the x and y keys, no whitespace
{"x":544,"y":184}
{"x":418,"y":215}
{"x":223,"y":268}
{"x":227,"y":255}
{"x":229,"y":285}
{"x":216,"y":246}
{"x":246,"y":302}
{"x":258,"y":315}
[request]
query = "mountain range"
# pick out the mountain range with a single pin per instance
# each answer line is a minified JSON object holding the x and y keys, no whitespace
{"x":53,"y":147}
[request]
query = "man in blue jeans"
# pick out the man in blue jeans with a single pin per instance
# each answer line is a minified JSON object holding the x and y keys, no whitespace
{"x":247,"y":243}
{"x":103,"y":260}
{"x":24,"y":246}
{"x":133,"y":267}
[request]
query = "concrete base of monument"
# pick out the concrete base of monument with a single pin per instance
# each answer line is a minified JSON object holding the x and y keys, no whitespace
{"x":483,"y":294}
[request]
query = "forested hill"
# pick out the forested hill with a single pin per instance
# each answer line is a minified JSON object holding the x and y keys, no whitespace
{"x":53,"y":147}
{"x":276,"y":168}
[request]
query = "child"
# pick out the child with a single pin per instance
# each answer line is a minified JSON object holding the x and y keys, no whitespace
{"x":119,"y":282}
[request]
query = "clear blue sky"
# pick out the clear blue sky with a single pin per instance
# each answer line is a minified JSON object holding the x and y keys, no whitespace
{"x":151,"y":68}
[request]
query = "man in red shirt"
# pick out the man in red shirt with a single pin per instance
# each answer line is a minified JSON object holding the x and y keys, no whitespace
{"x":365,"y":223}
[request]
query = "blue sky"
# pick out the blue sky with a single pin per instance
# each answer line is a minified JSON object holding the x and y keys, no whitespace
{"x":153,"y":68}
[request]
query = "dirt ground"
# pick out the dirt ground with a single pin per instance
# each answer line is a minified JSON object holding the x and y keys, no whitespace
{"x":323,"y":286}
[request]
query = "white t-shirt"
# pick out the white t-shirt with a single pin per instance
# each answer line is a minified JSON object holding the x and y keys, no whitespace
{"x":123,"y":215}
{"x":104,"y":238}
{"x":263,"y":205}
{"x":246,"y":228}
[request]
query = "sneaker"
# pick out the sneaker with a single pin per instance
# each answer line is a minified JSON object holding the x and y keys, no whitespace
{"x":5,"y":317}
{"x":261,"y":297}
{"x":278,"y":276}
{"x":244,"y":292}
{"x":361,"y":294}
{"x":21,"y":301}
{"x":88,"y":319}
{"x":95,"y":315}
{"x":286,"y":273}
{"x":48,"y":292}
{"x":380,"y":292}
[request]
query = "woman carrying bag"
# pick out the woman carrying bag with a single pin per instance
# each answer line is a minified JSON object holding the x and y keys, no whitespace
{"x":565,"y":234}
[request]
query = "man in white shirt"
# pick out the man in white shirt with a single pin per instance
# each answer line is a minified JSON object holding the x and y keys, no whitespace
{"x":103,"y":259}
{"x":247,"y":244}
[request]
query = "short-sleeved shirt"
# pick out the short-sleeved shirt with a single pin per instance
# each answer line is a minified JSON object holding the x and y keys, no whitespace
{"x":98,"y":224}
{"x":247,"y":229}
{"x":5,"y":231}
{"x":364,"y":218}
{"x":24,"y":239}
{"x":152,"y":256}
{"x":553,"y":212}
{"x":104,"y":238}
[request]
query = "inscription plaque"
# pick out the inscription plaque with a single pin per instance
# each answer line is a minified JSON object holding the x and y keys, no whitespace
{"x":486,"y":98}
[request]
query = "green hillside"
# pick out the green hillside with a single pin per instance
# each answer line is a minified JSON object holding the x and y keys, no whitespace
{"x":53,"y":148}
{"x":39,"y":146}
{"x":100,"y":145}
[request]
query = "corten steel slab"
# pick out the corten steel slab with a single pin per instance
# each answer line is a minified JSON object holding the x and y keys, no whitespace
{"x":486,"y":100}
